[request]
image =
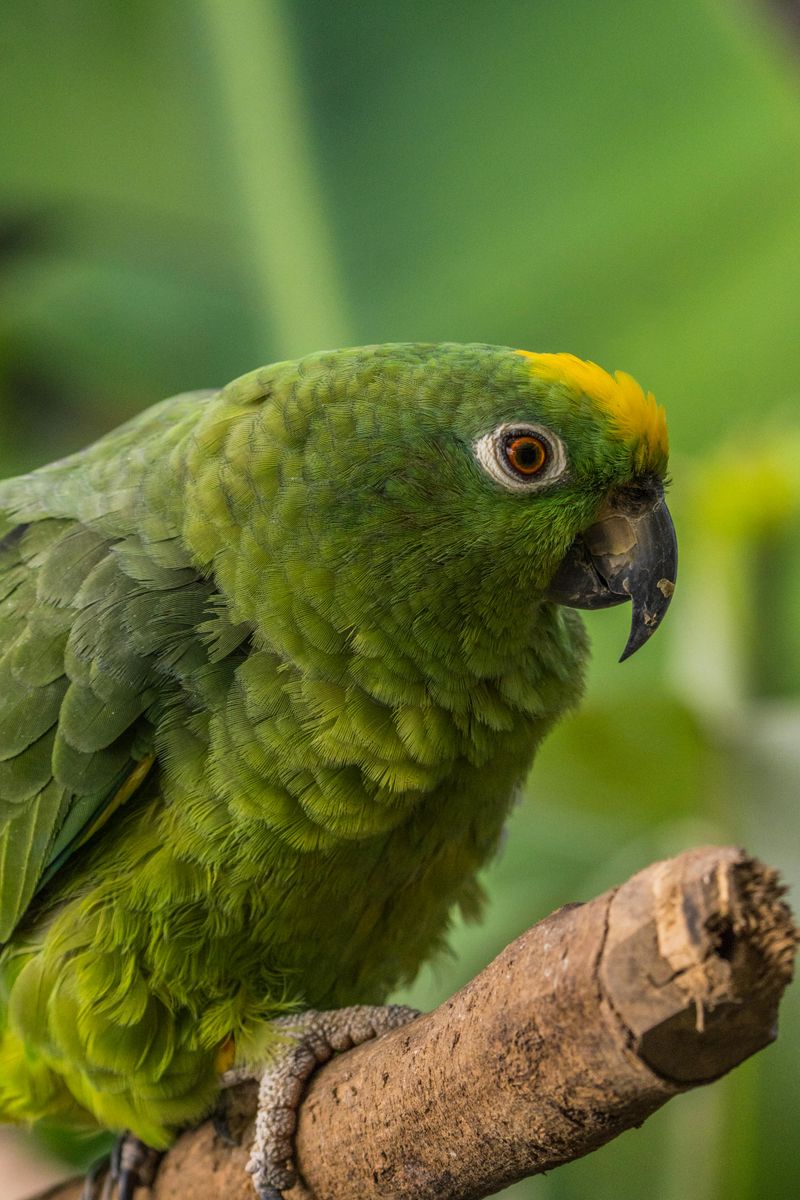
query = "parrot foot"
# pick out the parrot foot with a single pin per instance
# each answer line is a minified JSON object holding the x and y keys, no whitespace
{"x":131,"y":1165}
{"x":315,"y":1037}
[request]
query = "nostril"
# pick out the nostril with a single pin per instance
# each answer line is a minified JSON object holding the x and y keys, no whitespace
{"x":638,"y":497}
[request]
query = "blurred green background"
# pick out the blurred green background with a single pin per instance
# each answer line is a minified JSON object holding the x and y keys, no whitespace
{"x":194,"y":187}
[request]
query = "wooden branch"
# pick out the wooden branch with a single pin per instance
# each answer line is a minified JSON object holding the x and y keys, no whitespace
{"x":578,"y":1031}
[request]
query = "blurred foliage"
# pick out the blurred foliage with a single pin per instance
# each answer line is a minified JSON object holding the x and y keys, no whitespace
{"x":190,"y":189}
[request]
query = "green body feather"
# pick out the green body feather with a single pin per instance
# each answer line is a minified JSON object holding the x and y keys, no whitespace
{"x":308,"y":601}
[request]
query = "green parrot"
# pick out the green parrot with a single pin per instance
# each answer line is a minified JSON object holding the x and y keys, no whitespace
{"x":274,"y":660}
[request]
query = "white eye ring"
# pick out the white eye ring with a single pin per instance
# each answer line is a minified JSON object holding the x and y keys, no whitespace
{"x":491,"y":452}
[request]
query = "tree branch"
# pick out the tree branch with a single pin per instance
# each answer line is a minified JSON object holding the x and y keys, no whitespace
{"x":578,"y":1031}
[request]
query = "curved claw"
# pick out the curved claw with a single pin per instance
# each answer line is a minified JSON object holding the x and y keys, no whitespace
{"x":132,"y":1164}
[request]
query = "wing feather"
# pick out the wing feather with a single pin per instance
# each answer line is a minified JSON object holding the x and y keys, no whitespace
{"x":95,"y":650}
{"x":24,"y":843}
{"x":104,"y":635}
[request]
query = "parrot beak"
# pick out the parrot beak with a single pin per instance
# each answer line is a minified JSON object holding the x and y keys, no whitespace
{"x":629,"y":553}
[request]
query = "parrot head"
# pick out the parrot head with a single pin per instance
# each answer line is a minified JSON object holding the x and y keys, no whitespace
{"x":582,"y":441}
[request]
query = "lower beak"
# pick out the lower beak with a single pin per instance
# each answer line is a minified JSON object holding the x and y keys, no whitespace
{"x":629,"y":553}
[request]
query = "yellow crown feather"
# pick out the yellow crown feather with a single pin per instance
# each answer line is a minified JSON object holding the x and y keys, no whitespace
{"x":633,"y":412}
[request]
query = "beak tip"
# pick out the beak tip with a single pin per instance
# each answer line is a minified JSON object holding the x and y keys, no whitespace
{"x":631,"y":646}
{"x":644,"y":623}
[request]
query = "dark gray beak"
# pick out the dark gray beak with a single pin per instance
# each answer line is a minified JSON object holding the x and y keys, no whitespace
{"x":630,"y":553}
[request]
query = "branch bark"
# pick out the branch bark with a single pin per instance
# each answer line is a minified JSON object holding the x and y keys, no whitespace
{"x":579,"y":1030}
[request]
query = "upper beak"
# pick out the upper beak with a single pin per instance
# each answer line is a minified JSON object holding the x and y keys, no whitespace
{"x":629,"y":553}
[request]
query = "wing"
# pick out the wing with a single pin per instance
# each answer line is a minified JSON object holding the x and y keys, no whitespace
{"x":97,"y":642}
{"x":103,"y":631}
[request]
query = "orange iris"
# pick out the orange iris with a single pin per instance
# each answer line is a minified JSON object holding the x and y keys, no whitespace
{"x":526,"y":454}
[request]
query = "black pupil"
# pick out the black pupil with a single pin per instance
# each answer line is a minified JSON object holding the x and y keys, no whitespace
{"x":527,"y":453}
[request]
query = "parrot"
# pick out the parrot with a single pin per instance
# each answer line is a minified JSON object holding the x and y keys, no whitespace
{"x":275,"y":660}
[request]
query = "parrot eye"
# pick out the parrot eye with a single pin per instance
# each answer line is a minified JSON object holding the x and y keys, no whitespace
{"x":525,"y":453}
{"x":521,"y":457}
